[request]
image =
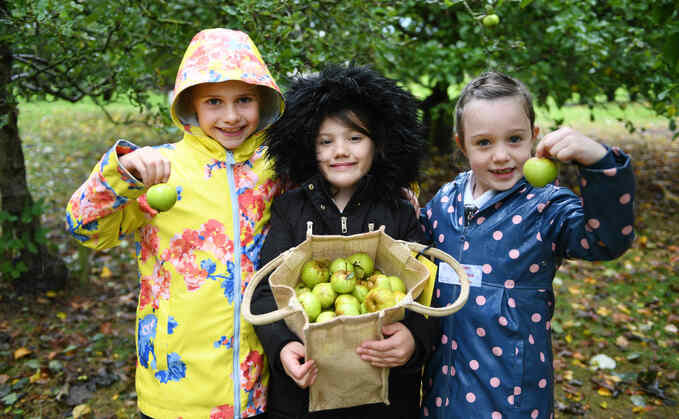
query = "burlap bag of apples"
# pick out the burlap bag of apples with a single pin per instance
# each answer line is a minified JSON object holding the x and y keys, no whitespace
{"x":344,"y":380}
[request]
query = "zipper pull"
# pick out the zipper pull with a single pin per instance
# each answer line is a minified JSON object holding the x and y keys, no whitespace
{"x":469,"y":212}
{"x":344,"y":224}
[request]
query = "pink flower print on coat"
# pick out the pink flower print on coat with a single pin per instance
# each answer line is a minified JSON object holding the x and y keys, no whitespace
{"x":251,"y":375}
{"x":224,"y":411}
{"x":96,"y":200}
{"x":148,"y":241}
{"x":155,"y":287}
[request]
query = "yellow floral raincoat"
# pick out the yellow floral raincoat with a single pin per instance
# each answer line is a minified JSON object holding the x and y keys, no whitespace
{"x":197,"y":357}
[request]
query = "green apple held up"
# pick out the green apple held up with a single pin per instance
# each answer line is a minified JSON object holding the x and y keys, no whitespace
{"x":161,"y":196}
{"x":343,"y":282}
{"x":325,"y":316}
{"x":314,"y":272}
{"x":326,"y":295}
{"x":340,"y":264}
{"x":311,"y":305}
{"x":363,"y":264}
{"x":540,"y":171}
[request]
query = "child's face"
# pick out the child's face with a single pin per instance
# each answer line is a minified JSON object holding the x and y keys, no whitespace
{"x":497,"y":141}
{"x":344,"y":155}
{"x":227,"y":111}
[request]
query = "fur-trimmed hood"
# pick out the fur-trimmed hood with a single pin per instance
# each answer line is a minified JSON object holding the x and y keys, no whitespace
{"x":394,"y":125}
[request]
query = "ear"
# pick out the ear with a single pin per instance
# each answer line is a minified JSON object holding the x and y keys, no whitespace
{"x":459,"y":144}
{"x":536,"y":131}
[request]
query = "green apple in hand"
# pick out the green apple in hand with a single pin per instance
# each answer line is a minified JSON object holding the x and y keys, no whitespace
{"x":161,"y":196}
{"x":540,"y":171}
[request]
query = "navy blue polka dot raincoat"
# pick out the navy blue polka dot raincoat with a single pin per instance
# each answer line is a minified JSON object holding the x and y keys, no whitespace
{"x":494,"y":357}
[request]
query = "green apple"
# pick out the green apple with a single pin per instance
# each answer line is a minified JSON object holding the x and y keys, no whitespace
{"x":314,"y":272}
{"x":161,"y":196}
{"x":490,"y":20}
{"x":340,"y":264}
{"x":396,"y":283}
{"x":381,"y":281}
{"x":343,"y":282}
{"x":348,"y":310}
{"x":363,"y":264}
{"x":540,"y":171}
{"x":346,"y":300}
{"x":379,"y":299}
{"x":325,"y":316}
{"x":311,"y":305}
{"x":360,"y":291}
{"x":326,"y":295}
{"x":363,"y":309}
{"x":398,"y":296}
{"x":301,"y":288}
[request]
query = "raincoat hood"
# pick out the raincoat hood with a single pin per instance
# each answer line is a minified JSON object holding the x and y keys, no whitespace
{"x":218,"y":55}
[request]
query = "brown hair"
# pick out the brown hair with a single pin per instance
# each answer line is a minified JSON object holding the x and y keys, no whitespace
{"x":488,"y":86}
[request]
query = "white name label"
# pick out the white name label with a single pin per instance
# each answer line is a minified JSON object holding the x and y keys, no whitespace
{"x":447,"y":274}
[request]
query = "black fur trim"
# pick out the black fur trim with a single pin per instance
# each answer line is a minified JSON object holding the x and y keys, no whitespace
{"x":395,"y":126}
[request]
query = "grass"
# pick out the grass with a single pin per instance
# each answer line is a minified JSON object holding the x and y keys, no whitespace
{"x":625,"y":309}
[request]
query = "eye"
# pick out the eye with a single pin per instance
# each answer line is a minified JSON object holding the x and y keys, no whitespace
{"x":483,"y":142}
{"x":246,"y":99}
{"x":356,"y":138}
{"x":213,"y":101}
{"x":324,"y":141}
{"x":515,"y":139}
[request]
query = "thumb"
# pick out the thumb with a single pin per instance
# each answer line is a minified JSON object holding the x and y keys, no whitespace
{"x":390,"y":329}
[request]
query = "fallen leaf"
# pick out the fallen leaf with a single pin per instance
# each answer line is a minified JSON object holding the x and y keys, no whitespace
{"x":602,"y":361}
{"x":51,"y":294}
{"x":81,"y":410}
{"x":622,"y":342}
{"x":21,"y":352}
{"x":106,"y":272}
{"x":61,"y":315}
{"x":604,"y":392}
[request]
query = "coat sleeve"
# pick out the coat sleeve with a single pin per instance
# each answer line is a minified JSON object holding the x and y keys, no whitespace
{"x":105,"y":207}
{"x":274,"y":336}
{"x":600,"y":225}
{"x":424,"y":330}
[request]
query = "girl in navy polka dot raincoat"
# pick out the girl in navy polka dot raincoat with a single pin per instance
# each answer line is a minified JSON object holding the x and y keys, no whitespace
{"x":494,"y":357}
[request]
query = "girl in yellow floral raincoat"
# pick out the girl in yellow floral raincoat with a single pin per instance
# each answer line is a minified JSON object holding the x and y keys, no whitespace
{"x":197,"y":358}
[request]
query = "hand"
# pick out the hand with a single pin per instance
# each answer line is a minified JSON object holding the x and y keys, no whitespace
{"x":566,"y":144}
{"x":302,"y":373}
{"x":393,"y":351}
{"x":411,"y":196}
{"x":148,"y":165}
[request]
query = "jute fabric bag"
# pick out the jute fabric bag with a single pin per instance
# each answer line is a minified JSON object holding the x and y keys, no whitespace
{"x":344,"y":380}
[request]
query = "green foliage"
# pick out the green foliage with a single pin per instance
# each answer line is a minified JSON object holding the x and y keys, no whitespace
{"x":12,"y":245}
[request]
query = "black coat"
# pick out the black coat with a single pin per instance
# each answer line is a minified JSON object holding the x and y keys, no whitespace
{"x":289,"y":215}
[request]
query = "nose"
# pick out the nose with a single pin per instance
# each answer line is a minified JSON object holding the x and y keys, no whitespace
{"x":230,"y":114}
{"x":500,"y":153}
{"x":340,"y":148}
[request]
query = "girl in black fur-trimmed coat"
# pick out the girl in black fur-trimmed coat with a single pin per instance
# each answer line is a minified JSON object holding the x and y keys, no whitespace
{"x":351,"y":140}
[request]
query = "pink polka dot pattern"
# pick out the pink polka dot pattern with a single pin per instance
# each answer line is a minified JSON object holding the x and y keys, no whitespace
{"x":534,"y":268}
{"x":465,"y":246}
{"x":534,"y":414}
{"x":517,"y":219}
{"x":625,"y":199}
{"x":442,"y":238}
{"x":502,"y":320}
{"x":522,"y":190}
{"x":459,"y":197}
{"x":548,"y":325}
{"x":517,"y":390}
{"x":445,"y":199}
{"x":429,"y":213}
{"x":530,"y":196}
{"x":480,"y":220}
{"x":514,"y":253}
{"x":497,"y":351}
{"x":531,"y":339}
{"x":471,"y":397}
{"x":594,"y":223}
{"x":486,"y":268}
{"x":481,"y":332}
{"x":444,"y":339}
{"x":474,"y":364}
{"x":511,"y":302}
{"x":452,"y":371}
{"x":425,"y":411}
{"x":509,"y":283}
{"x":480,"y":300}
{"x":497,"y":235}
{"x":536,"y":317}
{"x":444,"y":370}
{"x":510,"y":399}
{"x":459,"y":220}
{"x":542,"y":356}
{"x":627,"y":230}
{"x":610,"y":172}
{"x":495,"y":382}
{"x":447,"y":401}
{"x":584,"y":243}
{"x":542,"y":383}
{"x":439,"y":402}
{"x":451,"y":209}
{"x":496,"y":415}
{"x":538,"y":236}
{"x":541,"y":207}
{"x":453,"y":345}
{"x":435,"y":223}
{"x":438,"y":292}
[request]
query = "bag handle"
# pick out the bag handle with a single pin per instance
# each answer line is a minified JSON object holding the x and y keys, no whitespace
{"x":274,"y":316}
{"x":410,"y":304}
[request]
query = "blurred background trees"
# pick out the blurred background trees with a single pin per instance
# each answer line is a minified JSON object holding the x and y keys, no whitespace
{"x":589,"y":52}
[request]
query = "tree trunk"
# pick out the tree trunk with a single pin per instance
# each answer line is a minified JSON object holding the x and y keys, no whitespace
{"x":438,"y":126}
{"x":45,"y":271}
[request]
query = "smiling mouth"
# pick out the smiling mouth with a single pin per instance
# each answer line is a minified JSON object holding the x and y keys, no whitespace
{"x":230,"y":132}
{"x":341,"y":165}
{"x":502,"y":171}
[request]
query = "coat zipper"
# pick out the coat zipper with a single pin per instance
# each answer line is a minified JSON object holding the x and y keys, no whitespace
{"x":344,"y":224}
{"x":235,"y":373}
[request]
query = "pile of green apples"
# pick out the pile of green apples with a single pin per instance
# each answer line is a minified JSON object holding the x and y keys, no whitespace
{"x":348,"y":286}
